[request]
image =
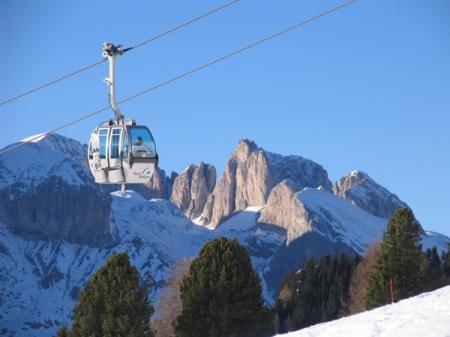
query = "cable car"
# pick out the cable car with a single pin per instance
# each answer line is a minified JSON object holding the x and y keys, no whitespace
{"x":120,"y":151}
{"x":120,"y":154}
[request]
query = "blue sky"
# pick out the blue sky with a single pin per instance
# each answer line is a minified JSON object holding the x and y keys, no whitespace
{"x":365,"y":88}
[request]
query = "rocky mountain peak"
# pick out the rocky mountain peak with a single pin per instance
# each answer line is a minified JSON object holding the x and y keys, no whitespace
{"x":250,"y":175}
{"x":244,"y":149}
{"x":67,"y":146}
{"x":192,"y":187}
{"x":361,"y":190}
{"x":357,"y":177}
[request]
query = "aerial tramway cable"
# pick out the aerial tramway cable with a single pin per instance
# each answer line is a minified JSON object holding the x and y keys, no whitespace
{"x":185,"y":74}
{"x":153,"y":38}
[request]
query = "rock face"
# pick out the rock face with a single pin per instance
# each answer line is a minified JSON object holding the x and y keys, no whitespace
{"x":192,"y":188}
{"x":319,"y":211}
{"x":361,"y":190}
{"x":250,"y":175}
{"x":47,"y":192}
{"x":56,"y":210}
{"x":159,"y":186}
{"x":283,"y":209}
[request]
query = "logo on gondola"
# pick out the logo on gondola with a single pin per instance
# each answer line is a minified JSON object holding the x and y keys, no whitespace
{"x":146,"y":173}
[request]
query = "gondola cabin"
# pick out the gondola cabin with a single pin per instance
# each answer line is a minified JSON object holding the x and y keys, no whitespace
{"x":122,"y":153}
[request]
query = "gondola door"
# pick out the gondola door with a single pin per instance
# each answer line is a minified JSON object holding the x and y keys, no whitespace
{"x":98,"y":161}
{"x":126,"y":156}
{"x":115,"y":155}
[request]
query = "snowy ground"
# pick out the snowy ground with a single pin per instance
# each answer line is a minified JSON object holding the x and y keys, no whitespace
{"x":427,"y":315}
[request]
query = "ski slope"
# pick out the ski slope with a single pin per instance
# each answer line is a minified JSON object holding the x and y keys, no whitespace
{"x":427,"y":315}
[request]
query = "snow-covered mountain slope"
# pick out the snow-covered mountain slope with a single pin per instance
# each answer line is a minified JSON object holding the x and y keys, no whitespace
{"x":241,"y":221}
{"x":317,"y":223}
{"x":47,"y":191}
{"x":361,"y":190}
{"x":352,"y":225}
{"x":427,"y":314}
{"x":432,"y":239}
{"x":69,"y":147}
{"x":34,"y":163}
{"x":41,"y":278}
{"x":338,"y":220}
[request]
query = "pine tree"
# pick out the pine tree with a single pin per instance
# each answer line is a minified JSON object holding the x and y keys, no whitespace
{"x":222,"y":295}
{"x":113,"y":303}
{"x":62,"y":332}
{"x":446,"y":266}
{"x":399,"y":260}
{"x":317,"y":293}
{"x":431,"y":270}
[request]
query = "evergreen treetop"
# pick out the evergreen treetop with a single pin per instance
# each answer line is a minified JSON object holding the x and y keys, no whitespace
{"x":113,"y":303}
{"x":399,"y":260}
{"x":222,"y":295}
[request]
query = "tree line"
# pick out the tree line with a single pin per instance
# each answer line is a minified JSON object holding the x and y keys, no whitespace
{"x":218,"y":294}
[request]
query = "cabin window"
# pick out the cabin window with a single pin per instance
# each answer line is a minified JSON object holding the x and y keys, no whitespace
{"x":142,"y":143}
{"x":115,"y":143}
{"x":103,"y":138}
{"x":125,"y":145}
{"x":91,"y":153}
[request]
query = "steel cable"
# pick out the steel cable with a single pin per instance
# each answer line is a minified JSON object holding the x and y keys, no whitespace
{"x":184,"y":74}
{"x":153,"y":38}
